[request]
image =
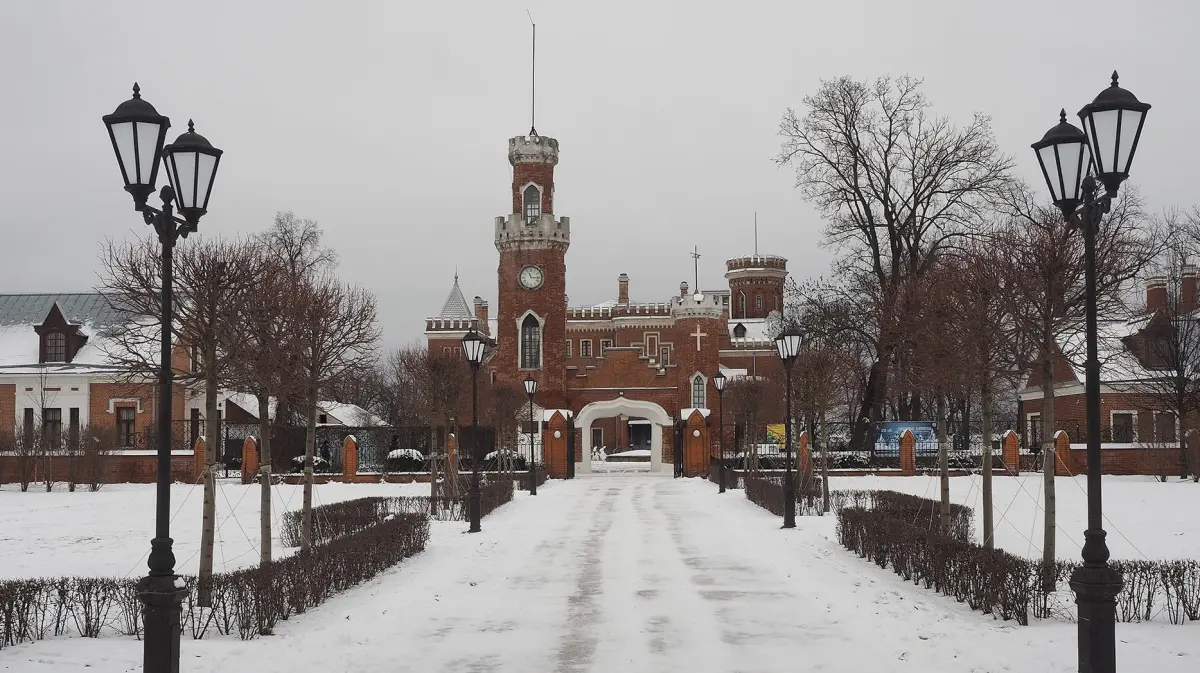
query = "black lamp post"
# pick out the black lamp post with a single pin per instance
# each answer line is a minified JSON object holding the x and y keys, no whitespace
{"x":788,"y":346}
{"x":1072,"y":161}
{"x":531,"y":390}
{"x":719,"y":383}
{"x":137,"y":133}
{"x":473,"y":348}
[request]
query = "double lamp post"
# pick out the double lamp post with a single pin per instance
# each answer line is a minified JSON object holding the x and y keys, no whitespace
{"x":137,"y":133}
{"x":1072,"y":162}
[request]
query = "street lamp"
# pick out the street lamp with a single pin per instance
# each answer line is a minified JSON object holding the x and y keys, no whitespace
{"x":473,"y":347}
{"x":788,"y":346}
{"x":1068,"y":158}
{"x":531,"y":390}
{"x":719,"y":383}
{"x":137,"y":133}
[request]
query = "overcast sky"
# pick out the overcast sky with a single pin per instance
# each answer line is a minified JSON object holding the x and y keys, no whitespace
{"x":388,"y":121}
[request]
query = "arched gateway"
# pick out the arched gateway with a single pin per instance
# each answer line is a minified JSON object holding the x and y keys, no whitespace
{"x":622,"y":406}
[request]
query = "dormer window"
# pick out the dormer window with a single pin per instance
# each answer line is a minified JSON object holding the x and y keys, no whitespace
{"x":739,"y":331}
{"x":533,"y":204}
{"x":56,"y":347}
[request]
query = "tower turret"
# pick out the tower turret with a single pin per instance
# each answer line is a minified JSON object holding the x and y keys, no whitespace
{"x":755,"y":285}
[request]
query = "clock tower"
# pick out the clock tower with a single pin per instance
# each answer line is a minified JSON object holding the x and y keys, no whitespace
{"x":532,"y":312}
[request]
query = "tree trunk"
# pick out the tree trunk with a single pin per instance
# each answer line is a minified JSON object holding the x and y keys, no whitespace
{"x":873,"y":399}
{"x":310,"y":448}
{"x":264,"y":477}
{"x":943,"y":462}
{"x":212,"y":430}
{"x":986,"y":414}
{"x":433,"y":472}
{"x":824,"y":465}
{"x":1049,"y":460}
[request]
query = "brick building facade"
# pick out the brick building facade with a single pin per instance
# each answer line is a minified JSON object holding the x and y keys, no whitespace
{"x":593,"y":358}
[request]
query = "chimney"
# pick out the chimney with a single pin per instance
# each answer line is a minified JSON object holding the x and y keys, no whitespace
{"x":1187,"y":288}
{"x":1156,"y":294}
{"x":481,"y":315}
{"x":683,"y":290}
{"x":623,"y":289}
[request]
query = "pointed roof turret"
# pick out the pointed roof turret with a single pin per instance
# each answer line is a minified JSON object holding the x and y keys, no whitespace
{"x":456,"y":304}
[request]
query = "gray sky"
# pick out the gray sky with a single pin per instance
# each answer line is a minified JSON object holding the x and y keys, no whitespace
{"x":388,"y":121}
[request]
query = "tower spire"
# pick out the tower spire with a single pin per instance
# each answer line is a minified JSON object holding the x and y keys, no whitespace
{"x":533,"y":79}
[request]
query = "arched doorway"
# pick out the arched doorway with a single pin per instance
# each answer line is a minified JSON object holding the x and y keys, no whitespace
{"x":638,"y":408}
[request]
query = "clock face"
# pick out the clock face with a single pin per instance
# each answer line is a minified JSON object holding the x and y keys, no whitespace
{"x":531,"y":278}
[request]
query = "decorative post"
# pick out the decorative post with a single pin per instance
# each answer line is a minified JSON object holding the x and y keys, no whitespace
{"x":1011,"y":452}
{"x":198,"y":459}
{"x":908,"y":454}
{"x":349,"y":459}
{"x":249,"y":460}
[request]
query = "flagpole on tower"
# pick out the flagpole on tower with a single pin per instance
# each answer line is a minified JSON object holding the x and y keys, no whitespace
{"x":756,"y":232}
{"x":533,"y":79}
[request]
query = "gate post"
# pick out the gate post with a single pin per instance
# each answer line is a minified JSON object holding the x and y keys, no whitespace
{"x":249,"y":460}
{"x":1011,"y":451}
{"x":349,"y":459}
{"x":908,"y":451}
{"x":198,"y":458}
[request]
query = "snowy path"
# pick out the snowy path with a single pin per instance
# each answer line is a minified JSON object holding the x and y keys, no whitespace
{"x":636,"y":573}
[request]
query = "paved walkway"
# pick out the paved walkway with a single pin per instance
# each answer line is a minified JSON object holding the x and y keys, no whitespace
{"x":616,"y":573}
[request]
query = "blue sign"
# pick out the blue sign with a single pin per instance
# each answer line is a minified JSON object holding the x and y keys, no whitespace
{"x":887,"y":437}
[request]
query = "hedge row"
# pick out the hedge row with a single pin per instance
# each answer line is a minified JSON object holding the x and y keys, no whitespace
{"x":990,"y":580}
{"x":767,"y":492}
{"x":247,"y":602}
{"x":543,"y":475}
{"x":997,"y":582}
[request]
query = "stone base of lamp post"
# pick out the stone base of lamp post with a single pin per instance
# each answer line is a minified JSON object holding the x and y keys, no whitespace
{"x":1096,"y":589}
{"x":162,"y":609}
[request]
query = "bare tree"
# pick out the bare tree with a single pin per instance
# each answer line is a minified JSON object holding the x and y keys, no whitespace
{"x":335,"y":330}
{"x":504,"y":403}
{"x":751,"y":401}
{"x":1045,"y":271}
{"x":211,"y":275}
{"x":896,"y":185}
{"x":432,"y":387}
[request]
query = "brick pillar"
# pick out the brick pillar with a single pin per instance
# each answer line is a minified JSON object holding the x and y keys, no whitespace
{"x":1062,"y":450}
{"x":452,"y":453}
{"x":802,"y":452}
{"x":908,"y":453}
{"x":1011,"y":452}
{"x":1193,"y":447}
{"x":554,"y":446}
{"x":249,"y":460}
{"x":198,"y":459}
{"x":349,"y":459}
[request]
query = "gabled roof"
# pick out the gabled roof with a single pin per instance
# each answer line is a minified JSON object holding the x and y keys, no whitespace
{"x":456,"y":305}
{"x":91,"y":308}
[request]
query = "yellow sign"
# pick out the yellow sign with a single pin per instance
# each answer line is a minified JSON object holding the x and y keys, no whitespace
{"x":776,"y":433}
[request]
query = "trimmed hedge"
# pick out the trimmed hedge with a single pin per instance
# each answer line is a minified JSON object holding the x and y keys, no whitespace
{"x":767,"y":492}
{"x":246,"y":602}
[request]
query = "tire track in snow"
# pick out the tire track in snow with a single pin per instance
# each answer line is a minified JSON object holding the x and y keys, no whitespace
{"x":578,"y":647}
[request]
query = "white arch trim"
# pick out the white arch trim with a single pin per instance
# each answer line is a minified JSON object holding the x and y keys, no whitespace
{"x":622,"y":406}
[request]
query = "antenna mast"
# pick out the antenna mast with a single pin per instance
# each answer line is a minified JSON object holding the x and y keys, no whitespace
{"x":533,"y":79}
{"x":756,"y":232}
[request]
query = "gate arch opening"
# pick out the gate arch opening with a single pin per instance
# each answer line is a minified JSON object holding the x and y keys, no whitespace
{"x":618,"y":407}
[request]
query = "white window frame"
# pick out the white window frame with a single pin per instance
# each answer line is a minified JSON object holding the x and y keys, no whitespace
{"x":1133,"y":412}
{"x":758,"y":302}
{"x":649,"y":338}
{"x":704,"y":390}
{"x":585,"y":348}
{"x":568,"y":354}
{"x":541,"y":354}
{"x":605,"y":344}
{"x":664,"y":360}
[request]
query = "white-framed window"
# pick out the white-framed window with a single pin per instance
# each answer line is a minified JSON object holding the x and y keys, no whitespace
{"x":651,"y":345}
{"x":1123,"y":426}
{"x":568,"y":351}
{"x":664,"y":355}
{"x":585,"y":348}
{"x":742,"y":303}
{"x":1033,"y":429}
{"x":605,"y":344}
{"x":1165,"y":428}
{"x":532,"y":196}
{"x":758,"y":302}
{"x":698,"y":391}
{"x":531,"y":342}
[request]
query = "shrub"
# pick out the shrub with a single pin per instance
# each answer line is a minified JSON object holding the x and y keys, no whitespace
{"x":542,"y":477}
{"x":493,"y":494}
{"x":246,"y":602}
{"x":405,"y":460}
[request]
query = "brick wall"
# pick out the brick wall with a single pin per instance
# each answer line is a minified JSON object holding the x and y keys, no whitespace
{"x":8,"y":406}
{"x":117,"y":469}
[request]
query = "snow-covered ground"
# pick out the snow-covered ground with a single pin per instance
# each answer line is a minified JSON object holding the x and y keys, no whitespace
{"x":1145,"y":519}
{"x":107,"y":533}
{"x":637,"y":573}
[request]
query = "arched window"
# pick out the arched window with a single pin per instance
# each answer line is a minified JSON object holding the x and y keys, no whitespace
{"x":742,"y":302}
{"x":758,"y":302}
{"x":698,"y":395}
{"x":531,"y":343}
{"x":56,"y":347}
{"x":533,"y":204}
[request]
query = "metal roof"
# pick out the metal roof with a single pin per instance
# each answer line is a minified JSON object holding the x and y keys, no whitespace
{"x":91,"y":308}
{"x":456,"y":304}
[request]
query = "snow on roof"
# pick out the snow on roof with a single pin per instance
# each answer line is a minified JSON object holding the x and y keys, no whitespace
{"x":758,"y":330}
{"x":247,"y":402}
{"x":350,"y":415}
{"x":78,"y":308}
{"x":456,"y":304}
{"x":686,"y":413}
{"x":731,"y":373}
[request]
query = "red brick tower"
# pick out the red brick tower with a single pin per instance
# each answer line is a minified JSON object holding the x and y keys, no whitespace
{"x":532,"y":276}
{"x":755,"y":285}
